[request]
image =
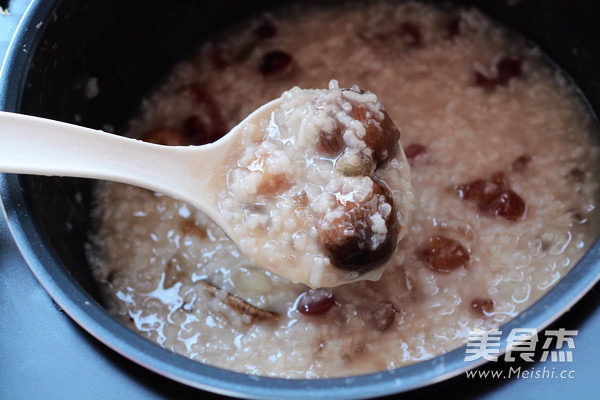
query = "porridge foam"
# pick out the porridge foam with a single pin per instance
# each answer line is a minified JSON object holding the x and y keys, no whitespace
{"x":503,"y":169}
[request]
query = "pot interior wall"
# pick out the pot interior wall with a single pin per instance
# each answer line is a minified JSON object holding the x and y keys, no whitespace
{"x":128,"y":45}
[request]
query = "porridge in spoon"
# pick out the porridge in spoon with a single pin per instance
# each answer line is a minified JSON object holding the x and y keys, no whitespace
{"x":320,"y":193}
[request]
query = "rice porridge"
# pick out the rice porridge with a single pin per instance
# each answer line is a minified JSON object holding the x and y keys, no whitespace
{"x":503,"y":172}
{"x":318,"y":191}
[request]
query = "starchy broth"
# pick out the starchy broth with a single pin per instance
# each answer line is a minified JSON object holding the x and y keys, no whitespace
{"x":503,"y":168}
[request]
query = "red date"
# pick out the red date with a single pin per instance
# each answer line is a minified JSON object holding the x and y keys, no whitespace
{"x":507,"y":68}
{"x":274,"y":63}
{"x":348,"y":240}
{"x":494,"y":197}
{"x":444,"y":254}
{"x":382,"y":134}
{"x":415,"y":153}
{"x":207,"y":124}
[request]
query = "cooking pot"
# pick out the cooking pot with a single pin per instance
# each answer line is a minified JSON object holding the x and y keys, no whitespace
{"x":127,"y":46}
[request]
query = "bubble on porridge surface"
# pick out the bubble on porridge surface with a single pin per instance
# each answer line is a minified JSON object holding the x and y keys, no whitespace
{"x":534,"y":128}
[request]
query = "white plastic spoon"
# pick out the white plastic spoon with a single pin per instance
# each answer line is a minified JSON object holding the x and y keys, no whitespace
{"x":38,"y":146}
{"x":363,"y":229}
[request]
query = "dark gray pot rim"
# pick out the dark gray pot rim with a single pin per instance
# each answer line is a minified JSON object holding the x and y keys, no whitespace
{"x":83,"y":309}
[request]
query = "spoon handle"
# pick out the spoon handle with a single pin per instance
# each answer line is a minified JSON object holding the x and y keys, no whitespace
{"x":38,"y":146}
